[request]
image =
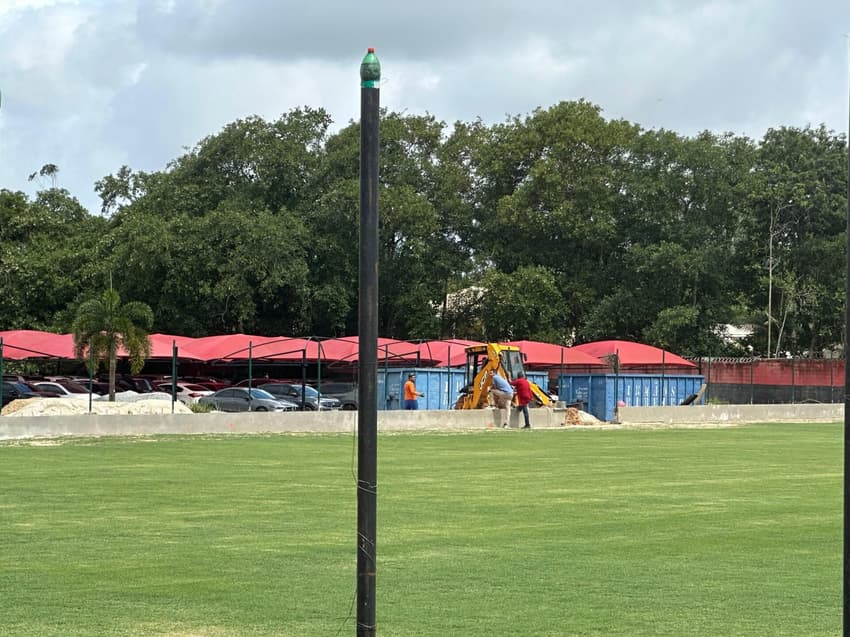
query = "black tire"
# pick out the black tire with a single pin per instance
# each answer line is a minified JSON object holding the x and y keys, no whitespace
{"x":349,"y":407}
{"x":261,"y":409}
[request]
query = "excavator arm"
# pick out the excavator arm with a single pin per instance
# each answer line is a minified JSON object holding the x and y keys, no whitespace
{"x":541,"y":396}
{"x":504,"y":360}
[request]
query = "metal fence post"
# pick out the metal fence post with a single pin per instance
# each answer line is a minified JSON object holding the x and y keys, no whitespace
{"x":752,"y":387}
{"x":793,"y":381}
{"x":1,"y":372}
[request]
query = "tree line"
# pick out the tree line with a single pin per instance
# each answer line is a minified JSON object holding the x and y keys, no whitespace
{"x":560,"y":225}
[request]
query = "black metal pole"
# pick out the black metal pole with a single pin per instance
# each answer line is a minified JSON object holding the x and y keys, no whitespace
{"x":449,"y":376}
{"x":250,"y":374}
{"x":752,"y":386}
{"x":173,"y":374}
{"x":367,"y":413}
{"x":793,"y":382}
{"x":846,"y":599}
{"x":616,"y":386}
{"x":304,"y":383}
{"x":318,"y":374}
{"x":832,"y":378}
{"x":1,"y":371}
{"x":91,"y":372}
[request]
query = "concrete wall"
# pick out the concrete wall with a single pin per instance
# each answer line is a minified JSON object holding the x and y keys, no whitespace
{"x":13,"y":427}
{"x":696,"y":414}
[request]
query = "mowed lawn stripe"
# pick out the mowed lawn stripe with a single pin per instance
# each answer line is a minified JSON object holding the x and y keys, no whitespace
{"x":733,"y":531}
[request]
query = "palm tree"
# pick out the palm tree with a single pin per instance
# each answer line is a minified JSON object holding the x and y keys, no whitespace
{"x":105,"y":324}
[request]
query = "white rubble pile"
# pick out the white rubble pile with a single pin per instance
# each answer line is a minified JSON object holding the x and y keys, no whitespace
{"x":139,"y":405}
{"x":131,"y":396}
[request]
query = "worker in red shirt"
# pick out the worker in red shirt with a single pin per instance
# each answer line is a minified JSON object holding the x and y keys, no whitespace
{"x":523,"y":396}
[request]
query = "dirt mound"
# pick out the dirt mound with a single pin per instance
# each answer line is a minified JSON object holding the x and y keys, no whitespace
{"x":573,"y":416}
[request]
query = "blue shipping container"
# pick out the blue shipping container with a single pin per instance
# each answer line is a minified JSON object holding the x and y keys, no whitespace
{"x":440,"y":385}
{"x":601,"y":392}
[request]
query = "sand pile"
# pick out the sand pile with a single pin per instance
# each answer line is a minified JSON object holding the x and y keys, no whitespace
{"x":71,"y":406}
{"x":574,"y":416}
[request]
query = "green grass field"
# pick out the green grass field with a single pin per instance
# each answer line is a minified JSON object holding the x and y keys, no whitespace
{"x":714,"y":532}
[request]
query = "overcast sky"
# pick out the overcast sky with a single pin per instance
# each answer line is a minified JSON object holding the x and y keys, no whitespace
{"x":91,"y":85}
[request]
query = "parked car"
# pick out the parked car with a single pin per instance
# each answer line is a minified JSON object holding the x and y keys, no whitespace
{"x":65,"y":389}
{"x":239,"y":399}
{"x":13,"y":390}
{"x":258,"y":381}
{"x":121,"y":384}
{"x":293,"y":393}
{"x":97,"y":387}
{"x":187,"y":393}
{"x":209,"y":382}
{"x":345,"y":393}
{"x":39,"y":391}
{"x":142,"y":385}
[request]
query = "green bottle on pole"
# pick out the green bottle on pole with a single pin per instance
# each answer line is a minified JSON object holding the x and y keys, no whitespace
{"x":370,"y":70}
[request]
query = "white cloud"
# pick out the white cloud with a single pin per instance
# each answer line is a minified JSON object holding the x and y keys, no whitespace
{"x":93,"y":84}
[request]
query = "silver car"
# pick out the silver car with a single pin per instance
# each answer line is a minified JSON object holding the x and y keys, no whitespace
{"x":243,"y":399}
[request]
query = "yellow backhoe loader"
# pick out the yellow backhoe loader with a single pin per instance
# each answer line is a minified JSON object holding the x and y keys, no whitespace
{"x":506,"y":360}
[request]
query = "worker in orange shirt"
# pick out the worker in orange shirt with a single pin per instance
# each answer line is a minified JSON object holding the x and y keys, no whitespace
{"x":410,"y":393}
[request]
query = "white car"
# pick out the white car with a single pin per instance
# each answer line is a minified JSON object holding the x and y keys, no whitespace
{"x":66,"y":389}
{"x":187,"y":393}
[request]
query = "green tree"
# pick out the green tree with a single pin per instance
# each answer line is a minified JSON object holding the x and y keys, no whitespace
{"x":549,"y":191}
{"x":47,"y":257}
{"x":671,"y":279}
{"x":424,"y":215}
{"x":523,"y":305}
{"x":794,"y":238}
{"x":104,"y":324}
{"x":223,"y":231}
{"x":48,"y":170}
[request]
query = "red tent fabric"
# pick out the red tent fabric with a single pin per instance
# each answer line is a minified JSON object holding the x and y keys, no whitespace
{"x":23,"y":344}
{"x":631,"y":353}
{"x":162,"y":346}
{"x":446,"y":353}
{"x":227,"y":346}
{"x":539,"y":354}
{"x":284,"y":348}
{"x":390,"y":350}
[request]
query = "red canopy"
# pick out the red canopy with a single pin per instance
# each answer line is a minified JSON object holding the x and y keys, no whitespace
{"x":22,"y":344}
{"x":227,"y":346}
{"x":162,"y":346}
{"x":631,"y":353}
{"x":549,"y":355}
{"x":283,"y":348}
{"x":446,"y":353}
{"x":390,"y":350}
{"x":278,"y":348}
